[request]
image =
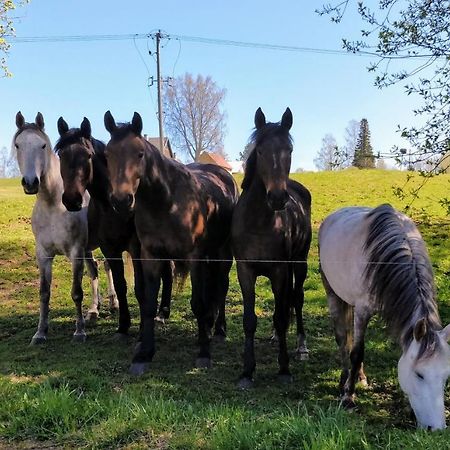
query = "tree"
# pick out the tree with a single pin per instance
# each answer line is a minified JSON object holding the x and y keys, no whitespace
{"x":193,"y":116}
{"x":328,"y":156}
{"x":8,"y":164}
{"x":246,"y":152}
{"x":6,"y":31}
{"x":351,"y":141}
{"x":410,"y":42}
{"x":364,"y":157}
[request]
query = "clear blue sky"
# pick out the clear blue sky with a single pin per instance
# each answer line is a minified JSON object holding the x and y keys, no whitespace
{"x":77,"y":79}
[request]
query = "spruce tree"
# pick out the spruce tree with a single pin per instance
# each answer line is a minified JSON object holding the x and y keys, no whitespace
{"x":364,"y":157}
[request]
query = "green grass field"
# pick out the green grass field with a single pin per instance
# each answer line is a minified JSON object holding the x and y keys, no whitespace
{"x":70,"y":395}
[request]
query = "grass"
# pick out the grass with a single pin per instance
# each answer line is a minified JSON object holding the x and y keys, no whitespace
{"x":80,"y":396}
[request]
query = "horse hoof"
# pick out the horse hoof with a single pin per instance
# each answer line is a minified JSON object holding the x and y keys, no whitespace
{"x":122,"y":338}
{"x":38,"y":340}
{"x":348,"y":403}
{"x":302,"y":355}
{"x":203,"y":363}
{"x":138,"y":369}
{"x":91,"y":317}
{"x":219,"y":338}
{"x":245,"y":383}
{"x":160,"y":319}
{"x":363,"y":382}
{"x":79,"y":337}
{"x":285,"y":378}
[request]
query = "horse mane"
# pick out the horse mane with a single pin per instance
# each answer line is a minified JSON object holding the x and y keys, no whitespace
{"x":268,"y":131}
{"x":400,"y":278}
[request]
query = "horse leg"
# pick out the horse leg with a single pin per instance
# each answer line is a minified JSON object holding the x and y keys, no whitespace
{"x":280,"y":287}
{"x":361,"y":319}
{"x":45,"y":280}
{"x":112,"y":294}
{"x":115,"y":261}
{"x":247,"y":280}
{"x":300,"y":271}
{"x":166,"y":294}
{"x":223,"y":281}
{"x":77,"y":295}
{"x":150,"y":272}
{"x":201,"y":281}
{"x":92,"y":267}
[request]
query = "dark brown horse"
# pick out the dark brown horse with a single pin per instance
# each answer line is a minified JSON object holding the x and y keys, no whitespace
{"x":83,"y":167}
{"x":271,"y":235}
{"x":182,"y":213}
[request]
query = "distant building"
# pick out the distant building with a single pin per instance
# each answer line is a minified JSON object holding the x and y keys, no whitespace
{"x":237,"y":166}
{"x":167,"y":151}
{"x":214,"y":158}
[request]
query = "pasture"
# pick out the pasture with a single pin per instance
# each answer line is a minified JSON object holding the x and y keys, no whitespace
{"x":73,"y":395}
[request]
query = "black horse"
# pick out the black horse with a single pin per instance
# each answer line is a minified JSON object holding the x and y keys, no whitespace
{"x":182,"y":213}
{"x":271,"y":236}
{"x":83,"y":167}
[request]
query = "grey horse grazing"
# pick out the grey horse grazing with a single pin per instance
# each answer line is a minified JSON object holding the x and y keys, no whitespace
{"x":56,"y":231}
{"x":375,"y":260}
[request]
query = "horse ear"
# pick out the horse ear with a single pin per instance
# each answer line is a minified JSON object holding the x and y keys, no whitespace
{"x":20,"y":120}
{"x":445,"y":333}
{"x":63,"y":128}
{"x":39,"y":121}
{"x":420,"y":329}
{"x":85,"y":128}
{"x":110,"y":123}
{"x":286,"y":120}
{"x":136,"y":123}
{"x":260,"y":119}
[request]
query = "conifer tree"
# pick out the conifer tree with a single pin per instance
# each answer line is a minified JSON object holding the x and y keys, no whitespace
{"x":364,"y":157}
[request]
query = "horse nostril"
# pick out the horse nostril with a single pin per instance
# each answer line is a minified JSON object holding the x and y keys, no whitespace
{"x":129,"y":199}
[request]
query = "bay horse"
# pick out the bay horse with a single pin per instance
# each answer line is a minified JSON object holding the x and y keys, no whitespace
{"x":271,"y":236}
{"x":374,"y":260}
{"x":56,"y":231}
{"x":83,"y":168}
{"x":182,"y":213}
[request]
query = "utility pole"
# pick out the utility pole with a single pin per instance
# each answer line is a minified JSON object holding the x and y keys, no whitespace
{"x":159,"y":84}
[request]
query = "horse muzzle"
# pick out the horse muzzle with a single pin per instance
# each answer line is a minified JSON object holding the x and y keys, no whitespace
{"x":123,"y":205}
{"x":73,"y":203}
{"x":30,"y":185}
{"x":277,"y":199}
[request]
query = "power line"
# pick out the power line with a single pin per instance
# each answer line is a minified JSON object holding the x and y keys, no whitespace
{"x":197,"y":39}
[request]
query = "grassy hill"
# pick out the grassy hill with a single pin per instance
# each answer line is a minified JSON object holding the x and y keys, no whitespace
{"x":71,"y":395}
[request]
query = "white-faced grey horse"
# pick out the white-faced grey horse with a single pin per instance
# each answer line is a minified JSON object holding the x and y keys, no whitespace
{"x":56,"y":231}
{"x":375,"y":260}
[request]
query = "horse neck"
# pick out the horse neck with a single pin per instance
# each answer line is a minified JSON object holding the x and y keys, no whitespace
{"x":98,"y":188}
{"x":157,"y":176}
{"x":51,"y":183}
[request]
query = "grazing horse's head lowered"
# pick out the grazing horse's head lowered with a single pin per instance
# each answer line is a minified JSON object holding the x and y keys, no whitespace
{"x":270,"y":159}
{"x":31,"y":145}
{"x":125,"y":155}
{"x":75,"y":151}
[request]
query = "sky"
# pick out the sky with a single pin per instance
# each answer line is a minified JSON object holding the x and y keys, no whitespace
{"x":77,"y":79}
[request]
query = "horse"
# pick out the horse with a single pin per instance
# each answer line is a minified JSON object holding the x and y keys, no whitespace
{"x":182,"y":213}
{"x":374,"y":260}
{"x":56,"y":231}
{"x":83,"y":168}
{"x":271,"y":236}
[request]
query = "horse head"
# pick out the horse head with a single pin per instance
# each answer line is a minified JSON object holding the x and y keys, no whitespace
{"x":423,"y":370}
{"x":75,"y":152}
{"x":270,"y":159}
{"x":125,"y":153}
{"x":31,"y":145}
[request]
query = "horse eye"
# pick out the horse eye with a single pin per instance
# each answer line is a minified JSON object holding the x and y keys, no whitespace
{"x":45,"y":145}
{"x":140,"y":155}
{"x":420,"y":376}
{"x":17,"y":147}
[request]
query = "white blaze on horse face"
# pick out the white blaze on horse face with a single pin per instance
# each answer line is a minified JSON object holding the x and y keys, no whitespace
{"x":31,"y":154}
{"x":423,"y":381}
